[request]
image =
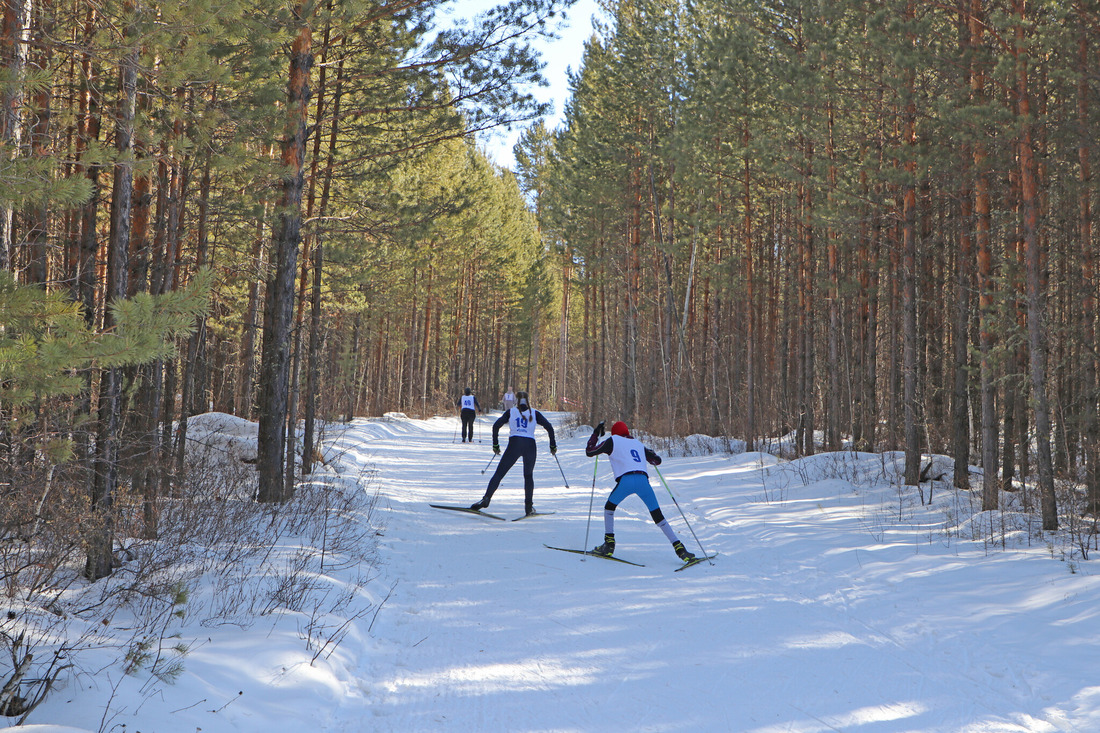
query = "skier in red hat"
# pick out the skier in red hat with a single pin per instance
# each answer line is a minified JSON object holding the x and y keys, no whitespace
{"x":628,"y":461}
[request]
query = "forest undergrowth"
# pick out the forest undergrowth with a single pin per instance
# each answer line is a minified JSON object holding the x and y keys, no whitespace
{"x":935,"y":511}
{"x":931,"y":511}
{"x":217,"y":557}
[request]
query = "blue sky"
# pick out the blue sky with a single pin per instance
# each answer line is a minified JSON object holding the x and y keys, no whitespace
{"x":560,"y":56}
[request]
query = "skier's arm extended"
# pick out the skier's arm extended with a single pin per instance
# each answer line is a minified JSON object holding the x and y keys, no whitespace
{"x":592,"y":449}
{"x":540,"y":420}
{"x":501,"y":421}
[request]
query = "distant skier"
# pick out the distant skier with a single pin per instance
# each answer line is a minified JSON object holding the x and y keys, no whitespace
{"x":521,"y":421}
{"x":509,"y":400}
{"x":628,"y":459}
{"x":468,"y":408}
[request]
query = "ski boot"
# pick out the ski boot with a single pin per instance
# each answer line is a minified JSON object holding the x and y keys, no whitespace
{"x":682,"y":552}
{"x":477,"y":506}
{"x":529,"y":511}
{"x":607,"y":549}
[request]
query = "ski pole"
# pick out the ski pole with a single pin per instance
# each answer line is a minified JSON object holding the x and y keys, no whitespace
{"x":563,"y":478}
{"x":489,"y":463}
{"x":705,"y":553}
{"x":591,"y":499}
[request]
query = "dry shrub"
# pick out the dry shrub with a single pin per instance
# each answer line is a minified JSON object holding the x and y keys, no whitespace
{"x":214,"y":555}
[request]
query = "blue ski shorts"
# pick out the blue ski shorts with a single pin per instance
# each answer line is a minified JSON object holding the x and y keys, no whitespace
{"x":635,"y":483}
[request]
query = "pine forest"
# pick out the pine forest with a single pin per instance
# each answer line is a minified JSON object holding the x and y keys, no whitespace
{"x":863,"y":223}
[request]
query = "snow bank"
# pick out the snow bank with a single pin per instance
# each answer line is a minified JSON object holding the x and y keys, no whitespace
{"x":223,"y":447}
{"x":215,"y":437}
{"x":840,"y":599}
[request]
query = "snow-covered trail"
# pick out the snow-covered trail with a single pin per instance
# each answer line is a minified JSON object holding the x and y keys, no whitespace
{"x":820,"y":613}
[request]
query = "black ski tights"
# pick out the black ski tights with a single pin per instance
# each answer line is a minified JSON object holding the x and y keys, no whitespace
{"x":517,"y":448}
{"x":467,"y":416}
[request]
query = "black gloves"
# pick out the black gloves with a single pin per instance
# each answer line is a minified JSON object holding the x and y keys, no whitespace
{"x":553,"y":449}
{"x":496,"y":448}
{"x":599,"y":431}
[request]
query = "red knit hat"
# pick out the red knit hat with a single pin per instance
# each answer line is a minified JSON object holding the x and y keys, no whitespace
{"x":619,"y":428}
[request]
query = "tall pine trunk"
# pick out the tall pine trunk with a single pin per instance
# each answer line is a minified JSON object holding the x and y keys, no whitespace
{"x":38,"y":211}
{"x":986,"y":314}
{"x":313,"y":378}
{"x":832,"y":416}
{"x":193,"y":365}
{"x":960,"y":405}
{"x":807,"y":274}
{"x":750,"y":300}
{"x":1035,"y":306}
{"x":14,"y":42}
{"x":909,"y":286}
{"x":247,"y":354}
{"x":279,"y":300}
{"x":1090,"y":419}
{"x":105,"y":481}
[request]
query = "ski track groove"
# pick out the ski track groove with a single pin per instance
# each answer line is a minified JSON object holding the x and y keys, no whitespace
{"x":617,"y":609}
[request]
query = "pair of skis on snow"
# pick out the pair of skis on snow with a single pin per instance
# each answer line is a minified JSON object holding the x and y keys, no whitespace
{"x":468,"y":510}
{"x":688,"y":564}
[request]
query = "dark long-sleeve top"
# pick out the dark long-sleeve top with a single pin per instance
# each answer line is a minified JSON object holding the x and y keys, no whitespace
{"x":539,"y":420}
{"x":477,"y":405}
{"x":592,"y":449}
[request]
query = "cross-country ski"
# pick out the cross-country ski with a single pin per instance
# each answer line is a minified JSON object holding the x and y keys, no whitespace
{"x":534,"y":514}
{"x":696,"y":561}
{"x":467,"y":510}
{"x":589,"y":553}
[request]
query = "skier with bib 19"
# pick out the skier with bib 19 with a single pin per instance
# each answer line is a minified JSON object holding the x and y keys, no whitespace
{"x":521,"y":421}
{"x":628,"y":459}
